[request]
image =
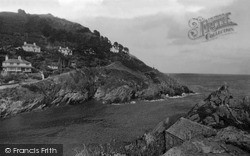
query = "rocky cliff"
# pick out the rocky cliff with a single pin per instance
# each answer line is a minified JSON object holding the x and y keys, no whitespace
{"x":220,"y":110}
{"x":217,"y":126}
{"x":110,"y":84}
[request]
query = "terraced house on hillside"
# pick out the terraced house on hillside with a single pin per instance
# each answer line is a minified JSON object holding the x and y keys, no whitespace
{"x":31,"y":47}
{"x":16,"y":66}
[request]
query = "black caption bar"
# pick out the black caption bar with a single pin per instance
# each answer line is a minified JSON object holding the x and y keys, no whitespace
{"x":31,"y":150}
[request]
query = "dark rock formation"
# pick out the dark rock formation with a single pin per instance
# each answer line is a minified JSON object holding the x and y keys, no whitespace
{"x":186,"y":129}
{"x":205,"y":147}
{"x":232,"y":135}
{"x":199,"y":140}
{"x":211,"y":132}
{"x":184,"y":137}
{"x":220,"y":110}
{"x":111,"y":84}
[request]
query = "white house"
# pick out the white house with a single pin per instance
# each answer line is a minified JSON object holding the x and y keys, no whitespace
{"x":16,"y":65}
{"x":114,"y":50}
{"x":31,"y":47}
{"x":53,"y":66}
{"x":65,"y":51}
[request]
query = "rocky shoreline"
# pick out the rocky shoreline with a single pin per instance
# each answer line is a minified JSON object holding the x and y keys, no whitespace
{"x":115,"y":83}
{"x":217,"y":126}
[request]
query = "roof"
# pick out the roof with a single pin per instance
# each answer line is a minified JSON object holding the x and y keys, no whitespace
{"x":17,"y":66}
{"x":30,"y":45}
{"x":64,"y":49}
{"x":16,"y":61}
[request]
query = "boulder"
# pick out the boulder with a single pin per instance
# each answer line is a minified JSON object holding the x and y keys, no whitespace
{"x":220,"y":110}
{"x":234,"y":136}
{"x":205,"y":147}
{"x":161,"y":127}
{"x":172,"y":141}
{"x":186,"y":129}
{"x":148,"y":144}
{"x":119,"y":94}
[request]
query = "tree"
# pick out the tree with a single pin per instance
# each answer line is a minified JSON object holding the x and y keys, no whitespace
{"x":120,"y":47}
{"x":97,"y":33}
{"x":126,"y":50}
{"x":20,"y":11}
{"x":115,"y":45}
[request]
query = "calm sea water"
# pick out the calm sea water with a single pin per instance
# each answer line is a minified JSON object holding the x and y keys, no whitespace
{"x":239,"y":85}
{"x":94,"y":122}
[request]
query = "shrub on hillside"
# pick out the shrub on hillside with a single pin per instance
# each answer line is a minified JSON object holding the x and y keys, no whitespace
{"x":13,"y":77}
{"x":36,"y":76}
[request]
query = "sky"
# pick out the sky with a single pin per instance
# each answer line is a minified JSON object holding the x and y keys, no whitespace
{"x":156,"y":31}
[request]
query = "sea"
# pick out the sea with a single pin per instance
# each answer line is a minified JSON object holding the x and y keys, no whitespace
{"x":95,"y":123}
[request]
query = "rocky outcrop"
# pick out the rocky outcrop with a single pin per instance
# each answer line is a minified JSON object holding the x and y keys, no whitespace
{"x":68,"y":88}
{"x":220,"y":110}
{"x":234,"y":136}
{"x":210,"y":128}
{"x":184,"y":138}
{"x":225,"y":134}
{"x":186,"y":129}
{"x":111,"y":84}
{"x":205,"y":147}
{"x":204,"y":140}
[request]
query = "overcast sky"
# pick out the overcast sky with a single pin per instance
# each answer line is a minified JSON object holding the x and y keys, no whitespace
{"x":156,"y":30}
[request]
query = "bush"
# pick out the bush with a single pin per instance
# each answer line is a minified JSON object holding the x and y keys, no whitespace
{"x":36,"y":76}
{"x":13,"y":77}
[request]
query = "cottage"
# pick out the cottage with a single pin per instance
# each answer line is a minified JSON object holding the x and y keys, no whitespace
{"x":65,"y":51}
{"x":16,"y":65}
{"x":31,"y":47}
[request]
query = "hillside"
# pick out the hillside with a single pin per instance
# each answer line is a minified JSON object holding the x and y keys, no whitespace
{"x":100,"y":73}
{"x":90,"y":49}
{"x":114,"y":83}
{"x":37,"y":28}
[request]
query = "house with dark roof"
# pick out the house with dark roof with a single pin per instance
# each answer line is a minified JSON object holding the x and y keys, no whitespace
{"x":16,"y":65}
{"x":31,"y":47}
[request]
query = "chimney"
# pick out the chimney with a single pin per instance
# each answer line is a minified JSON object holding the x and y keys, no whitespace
{"x":34,"y":44}
{"x":19,"y":58}
{"x":60,"y":47}
{"x":25,"y":43}
{"x":6,"y":57}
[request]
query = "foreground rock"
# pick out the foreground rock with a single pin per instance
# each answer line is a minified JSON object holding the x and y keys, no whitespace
{"x":111,"y":84}
{"x":234,"y":136}
{"x":186,"y":129}
{"x":210,"y":128}
{"x":205,"y":147}
{"x":225,"y":135}
{"x":178,"y":141}
{"x":203,"y":140}
{"x":220,"y":110}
